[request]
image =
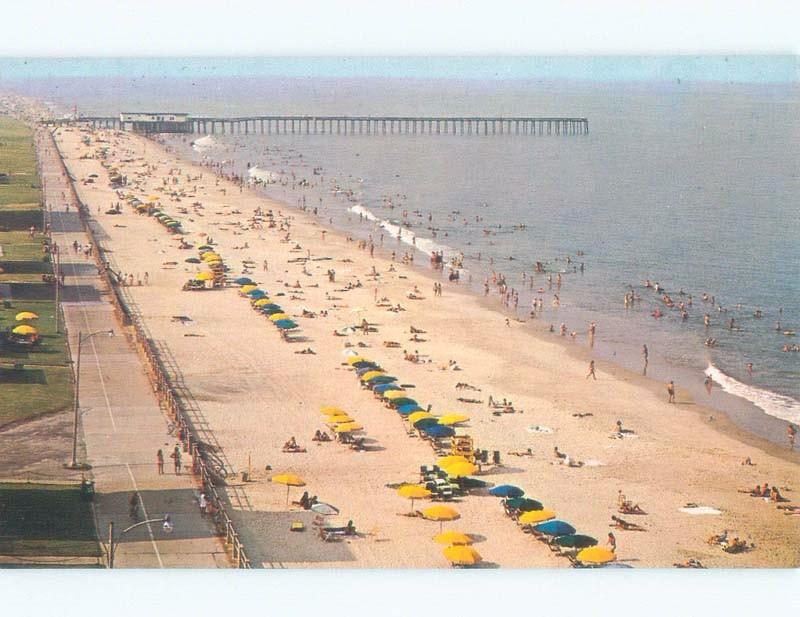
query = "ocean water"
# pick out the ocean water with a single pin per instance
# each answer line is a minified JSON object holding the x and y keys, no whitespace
{"x":691,"y":185}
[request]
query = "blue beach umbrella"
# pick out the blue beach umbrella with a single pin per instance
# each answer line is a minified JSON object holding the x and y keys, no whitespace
{"x":506,"y":490}
{"x":365,"y":364}
{"x":271,"y":309}
{"x":554,"y":528}
{"x":381,"y":379}
{"x":386,"y":387}
{"x":257,"y":294}
{"x":243,"y":280}
{"x":576,"y":541}
{"x":285,"y":324}
{"x":368,"y":368}
{"x":523,"y":504}
{"x":409,"y":409}
{"x":399,"y":402}
{"x":437,"y":430}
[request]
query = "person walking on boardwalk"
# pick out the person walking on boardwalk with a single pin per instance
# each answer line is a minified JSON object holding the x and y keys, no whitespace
{"x":671,"y":391}
{"x":176,"y":456}
{"x":160,"y":462}
{"x":591,"y":371}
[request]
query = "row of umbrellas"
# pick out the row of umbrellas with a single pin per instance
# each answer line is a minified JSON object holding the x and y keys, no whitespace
{"x":25,"y":329}
{"x":339,"y":420}
{"x":261,"y":302}
{"x":545,"y":523}
{"x":210,"y":258}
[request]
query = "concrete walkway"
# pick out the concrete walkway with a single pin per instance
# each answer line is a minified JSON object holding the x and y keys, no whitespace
{"x":121,"y":426}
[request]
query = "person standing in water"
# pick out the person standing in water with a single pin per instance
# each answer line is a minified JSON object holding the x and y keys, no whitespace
{"x":645,"y":355}
{"x":708,"y":383}
{"x":791,"y":433}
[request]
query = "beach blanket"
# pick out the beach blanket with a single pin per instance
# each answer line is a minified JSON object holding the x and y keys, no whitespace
{"x":700,"y":510}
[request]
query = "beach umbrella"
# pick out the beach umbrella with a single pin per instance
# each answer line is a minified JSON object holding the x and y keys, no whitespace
{"x":154,"y":198}
{"x":26,"y":315}
{"x":24,"y":330}
{"x":453,"y":418}
{"x":205,"y":247}
{"x":256,"y":294}
{"x":554,"y":528}
{"x":325,"y":509}
{"x":339,"y":419}
{"x":366,"y":365}
{"x":173,"y":224}
{"x":210,"y":255}
{"x":452,"y":459}
{"x":399,"y":402}
{"x":459,"y":470}
{"x":441,"y":514}
{"x":453,"y":537}
{"x":408,"y":409}
{"x":371,"y":374}
{"x":595,"y":554}
{"x":391,"y":394}
{"x":576,"y":541}
{"x":192,"y":260}
{"x":269,"y":309}
{"x":350,"y":427}
{"x":462,"y":555}
{"x":278,"y":316}
{"x":386,"y":387}
{"x":524,"y":504}
{"x":205,"y":276}
{"x":437,"y":430}
{"x":412,"y":492}
{"x":330,"y":410}
{"x":382,"y":379}
{"x":425,"y":423}
{"x":214,"y":262}
{"x":289,"y":479}
{"x":246,"y":288}
{"x":261,"y":302}
{"x":419,"y":415}
{"x":506,"y":490}
{"x":243,"y":280}
{"x":285,"y":324}
{"x":353,"y":359}
{"x":536,"y":516}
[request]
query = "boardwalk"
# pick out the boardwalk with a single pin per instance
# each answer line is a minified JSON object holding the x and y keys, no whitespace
{"x":121,"y":425}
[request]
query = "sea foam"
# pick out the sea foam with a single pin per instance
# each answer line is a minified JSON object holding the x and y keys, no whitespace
{"x":774,"y":404}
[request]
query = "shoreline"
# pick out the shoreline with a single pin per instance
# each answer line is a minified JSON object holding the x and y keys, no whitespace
{"x":765,"y":430}
{"x":674,"y":458}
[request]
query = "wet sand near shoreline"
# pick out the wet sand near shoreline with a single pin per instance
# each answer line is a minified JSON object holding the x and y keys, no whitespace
{"x":255,"y":392}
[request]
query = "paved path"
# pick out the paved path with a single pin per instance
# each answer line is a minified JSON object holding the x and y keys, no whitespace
{"x":121,"y":425}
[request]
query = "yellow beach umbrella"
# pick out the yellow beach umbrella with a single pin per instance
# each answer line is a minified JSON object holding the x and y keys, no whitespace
{"x":413,"y":492}
{"x":210,"y":256}
{"x":153,"y":198}
{"x":536,"y":516}
{"x":205,"y":276}
{"x":459,"y":470}
{"x":392,"y":394}
{"x":26,"y":315}
{"x":418,"y":415}
{"x":453,"y":537}
{"x":353,"y":359}
{"x":24,"y":330}
{"x":462,"y":555}
{"x":289,"y":479}
{"x":446,"y":461}
{"x":453,"y":418}
{"x":262,"y":302}
{"x":349,"y":427}
{"x":214,"y":262}
{"x":441,"y":514}
{"x":247,"y":288}
{"x":330,"y":410}
{"x":370,"y":374}
{"x":278,"y":316}
{"x":340,"y":419}
{"x":596,"y":554}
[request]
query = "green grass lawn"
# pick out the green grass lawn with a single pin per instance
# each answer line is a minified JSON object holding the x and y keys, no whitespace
{"x":44,"y":383}
{"x":40,"y":520}
{"x":18,"y":160}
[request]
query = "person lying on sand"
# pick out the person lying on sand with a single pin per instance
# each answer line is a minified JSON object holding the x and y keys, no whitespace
{"x":582,"y":415}
{"x":690,"y":563}
{"x":528,"y":452}
{"x":307,"y":350}
{"x":630,"y":508}
{"x":291,"y":446}
{"x":392,"y":344}
{"x":417,"y":339}
{"x":465,"y":386}
{"x":748,"y":462}
{"x":475,"y":401}
{"x":775,"y":495}
{"x":620,"y":523}
{"x":417,"y":330}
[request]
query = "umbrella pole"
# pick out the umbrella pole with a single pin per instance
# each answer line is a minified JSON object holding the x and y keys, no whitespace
{"x":287,"y":494}
{"x":412,"y":506}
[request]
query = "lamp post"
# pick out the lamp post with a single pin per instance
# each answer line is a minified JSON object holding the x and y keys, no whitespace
{"x":76,"y":403}
{"x":112,"y":542}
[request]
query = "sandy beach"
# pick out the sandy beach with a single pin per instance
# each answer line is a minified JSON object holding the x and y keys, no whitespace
{"x":254,"y":391}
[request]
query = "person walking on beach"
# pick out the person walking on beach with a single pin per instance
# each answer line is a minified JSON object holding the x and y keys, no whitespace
{"x":709,"y":384}
{"x":791,"y":432}
{"x":645,"y":355}
{"x":612,"y":542}
{"x":591,"y":371}
{"x":671,"y":391}
{"x":160,"y":462}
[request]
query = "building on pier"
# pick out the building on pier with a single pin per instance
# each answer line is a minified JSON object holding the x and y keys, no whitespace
{"x":155,"y":122}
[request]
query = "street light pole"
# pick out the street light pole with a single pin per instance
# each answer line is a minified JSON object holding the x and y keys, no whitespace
{"x":112,"y":543}
{"x":76,"y":402}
